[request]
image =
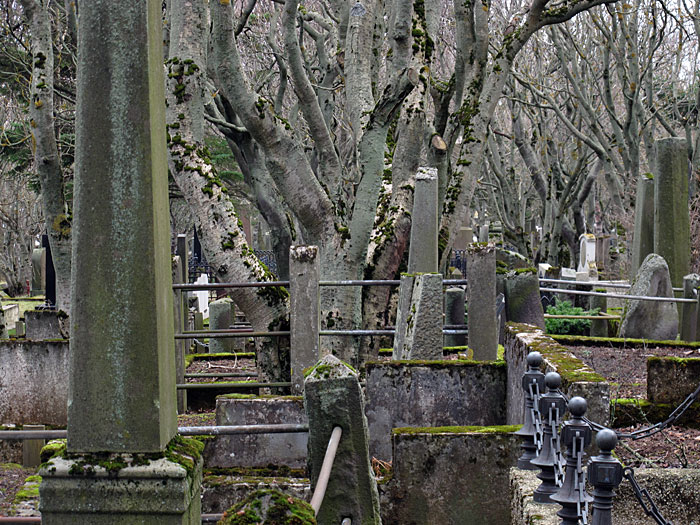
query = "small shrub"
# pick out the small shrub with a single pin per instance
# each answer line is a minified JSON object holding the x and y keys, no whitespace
{"x":568,"y":326}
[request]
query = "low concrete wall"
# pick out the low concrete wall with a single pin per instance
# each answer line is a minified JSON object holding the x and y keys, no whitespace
{"x":450,"y":476}
{"x":577,"y":378}
{"x":430,"y":394}
{"x":220,"y":493}
{"x":258,"y":450}
{"x":673,"y":490}
{"x":671,"y":379}
{"x":33,"y":382}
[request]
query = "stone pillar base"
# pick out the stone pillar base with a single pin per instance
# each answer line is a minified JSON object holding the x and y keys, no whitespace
{"x":86,"y":490}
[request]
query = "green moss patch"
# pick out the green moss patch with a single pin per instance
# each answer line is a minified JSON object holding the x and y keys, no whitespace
{"x":264,"y":396}
{"x":54,"y":448}
{"x":619,"y":342}
{"x":445,"y":363}
{"x":30,"y":490}
{"x":571,"y":369}
{"x":497,"y":429}
{"x":270,"y":507}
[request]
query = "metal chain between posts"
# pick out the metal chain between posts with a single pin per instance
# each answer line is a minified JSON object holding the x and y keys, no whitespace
{"x":556,"y":446}
{"x":536,"y":416}
{"x":580,"y":479}
{"x":650,"y":508}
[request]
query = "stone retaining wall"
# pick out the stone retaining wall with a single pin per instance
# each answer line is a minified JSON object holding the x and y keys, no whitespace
{"x":450,"y":476}
{"x":577,"y":378}
{"x":33,"y":382}
{"x":431,"y":394}
{"x":673,"y":490}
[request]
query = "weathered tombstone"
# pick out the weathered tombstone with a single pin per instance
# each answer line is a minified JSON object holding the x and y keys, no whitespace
{"x":454,"y":315}
{"x":122,"y":416}
{"x":643,"y":242}
{"x":38,"y":271}
{"x":481,"y":297}
{"x":423,"y":250}
{"x":333,"y":397}
{"x":424,"y":323}
{"x":464,"y":237}
{"x":651,"y":319}
{"x":31,"y":448}
{"x":179,"y":317}
{"x":422,"y":254}
{"x":602,"y":253}
{"x":689,"y":317}
{"x":305,"y":311}
{"x":200,"y":348}
{"x":671,"y":215}
{"x":20,"y":329}
{"x":484,"y":233}
{"x":523,"y":304}
{"x":599,"y":327}
{"x":50,"y":291}
{"x":587,"y":269}
{"x":220,"y":318}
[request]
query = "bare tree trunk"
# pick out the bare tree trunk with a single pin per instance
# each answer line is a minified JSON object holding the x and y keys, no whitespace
{"x":46,"y":157}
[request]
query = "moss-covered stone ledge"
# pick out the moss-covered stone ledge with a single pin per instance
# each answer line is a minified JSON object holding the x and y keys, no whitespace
{"x":450,"y":475}
{"x":672,"y":379}
{"x":132,"y":486}
{"x":629,"y":412}
{"x":431,"y":394}
{"x":620,"y":342}
{"x":578,"y":379}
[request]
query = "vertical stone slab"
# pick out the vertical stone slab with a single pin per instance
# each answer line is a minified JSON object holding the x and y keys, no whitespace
{"x":484,"y":233}
{"x":523,"y":303}
{"x":423,"y":250}
{"x":179,"y":317}
{"x":220,"y":318}
{"x":305,"y":311}
{"x":454,"y":315}
{"x":424,"y":322}
{"x":31,"y":448}
{"x":122,"y":363}
{"x":671,"y":216}
{"x":38,"y":271}
{"x":333,"y":397}
{"x":689,"y":316}
{"x":402,"y":312}
{"x":643,"y":242}
{"x":481,"y":297}
{"x":599,"y":327}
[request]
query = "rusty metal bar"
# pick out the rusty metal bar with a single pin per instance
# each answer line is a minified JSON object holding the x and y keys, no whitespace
{"x":223,"y":374}
{"x":326,"y":467}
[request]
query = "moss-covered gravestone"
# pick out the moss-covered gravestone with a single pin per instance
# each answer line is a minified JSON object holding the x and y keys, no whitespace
{"x":481,"y":287}
{"x":333,"y":397}
{"x":523,"y":303}
{"x":671,"y":212}
{"x":124,"y":462}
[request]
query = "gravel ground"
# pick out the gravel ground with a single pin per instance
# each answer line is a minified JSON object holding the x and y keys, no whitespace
{"x":626,"y":370}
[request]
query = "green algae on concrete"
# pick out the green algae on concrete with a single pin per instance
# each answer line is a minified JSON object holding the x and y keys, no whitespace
{"x":471,"y":429}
